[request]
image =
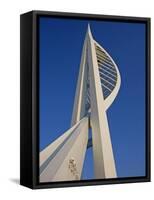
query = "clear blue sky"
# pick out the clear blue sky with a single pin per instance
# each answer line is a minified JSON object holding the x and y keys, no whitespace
{"x":61,"y":42}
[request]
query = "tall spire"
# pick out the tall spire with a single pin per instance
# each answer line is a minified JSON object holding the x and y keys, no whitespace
{"x":89,"y":30}
{"x":63,"y":160}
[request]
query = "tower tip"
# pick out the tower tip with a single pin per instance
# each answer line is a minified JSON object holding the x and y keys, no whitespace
{"x":89,"y":30}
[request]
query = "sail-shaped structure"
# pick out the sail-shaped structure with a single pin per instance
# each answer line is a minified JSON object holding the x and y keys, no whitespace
{"x":97,"y":87}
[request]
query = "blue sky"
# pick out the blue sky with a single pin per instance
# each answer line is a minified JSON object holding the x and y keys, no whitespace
{"x":61,"y":42}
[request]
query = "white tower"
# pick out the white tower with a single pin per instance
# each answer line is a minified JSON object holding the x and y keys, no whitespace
{"x":98,"y":84}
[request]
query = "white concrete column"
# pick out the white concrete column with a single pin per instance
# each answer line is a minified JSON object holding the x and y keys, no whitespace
{"x":104,"y":163}
{"x":66,"y":161}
